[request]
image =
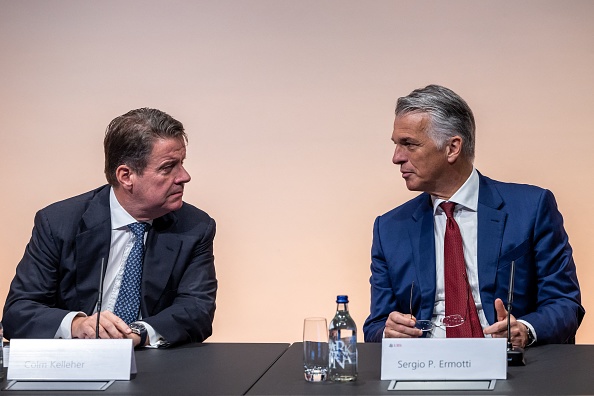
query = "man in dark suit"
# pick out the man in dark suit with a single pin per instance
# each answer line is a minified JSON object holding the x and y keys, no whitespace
{"x":499,"y":223}
{"x":159,"y":278}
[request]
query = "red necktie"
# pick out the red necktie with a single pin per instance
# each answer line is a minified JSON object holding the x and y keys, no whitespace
{"x":458,"y":296}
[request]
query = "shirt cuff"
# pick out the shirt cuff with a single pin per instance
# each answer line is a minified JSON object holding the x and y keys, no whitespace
{"x":65,"y":329}
{"x":531,"y":330}
{"x":156,"y":340}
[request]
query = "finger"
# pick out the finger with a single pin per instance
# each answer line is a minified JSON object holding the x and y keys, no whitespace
{"x":106,"y":330}
{"x":500,"y":309}
{"x":519,"y":334}
{"x":112,"y":326}
{"x":397,"y":318}
{"x":88,"y":327}
{"x":399,"y":325}
{"x":403,"y":324}
{"x":400,"y":331}
{"x":91,"y":327}
{"x":91,"y":330}
{"x":497,"y":328}
{"x":135,"y":339}
{"x":122,"y":326}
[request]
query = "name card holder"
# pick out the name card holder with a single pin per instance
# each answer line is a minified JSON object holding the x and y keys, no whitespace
{"x":60,"y":365}
{"x":443,"y":364}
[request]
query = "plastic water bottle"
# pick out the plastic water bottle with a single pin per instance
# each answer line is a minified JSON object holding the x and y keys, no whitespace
{"x":343,"y":343}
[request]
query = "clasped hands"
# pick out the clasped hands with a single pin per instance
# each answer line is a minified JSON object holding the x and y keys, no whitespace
{"x":110,"y":326}
{"x":399,"y":325}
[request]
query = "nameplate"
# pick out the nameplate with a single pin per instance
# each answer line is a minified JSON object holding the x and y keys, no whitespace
{"x":70,"y":360}
{"x":441,"y":359}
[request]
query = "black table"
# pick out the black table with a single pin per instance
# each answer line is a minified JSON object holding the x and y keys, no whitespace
{"x":195,"y":369}
{"x":550,"y":370}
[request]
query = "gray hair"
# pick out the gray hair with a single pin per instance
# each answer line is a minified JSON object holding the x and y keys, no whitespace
{"x":449,"y":115}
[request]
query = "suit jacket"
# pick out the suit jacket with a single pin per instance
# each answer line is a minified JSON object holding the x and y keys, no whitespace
{"x":516,"y":222}
{"x":60,"y":270}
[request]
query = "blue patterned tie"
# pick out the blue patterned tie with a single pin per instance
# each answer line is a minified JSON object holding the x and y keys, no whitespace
{"x":128,"y":302}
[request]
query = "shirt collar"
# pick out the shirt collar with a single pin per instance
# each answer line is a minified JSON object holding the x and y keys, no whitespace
{"x":119,"y":216}
{"x":466,"y":196}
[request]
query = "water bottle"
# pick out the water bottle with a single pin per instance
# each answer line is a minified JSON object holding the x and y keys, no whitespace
{"x":343,"y":343}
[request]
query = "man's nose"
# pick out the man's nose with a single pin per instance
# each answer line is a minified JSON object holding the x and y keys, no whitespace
{"x":184,"y":176}
{"x":399,"y":155}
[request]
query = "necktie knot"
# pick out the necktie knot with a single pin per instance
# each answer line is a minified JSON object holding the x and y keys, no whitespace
{"x":448,"y":208}
{"x":138,"y":230}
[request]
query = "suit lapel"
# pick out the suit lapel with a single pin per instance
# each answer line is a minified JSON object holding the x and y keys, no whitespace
{"x":423,"y":243}
{"x":491,"y":224}
{"x":92,"y":245}
{"x":162,"y":250}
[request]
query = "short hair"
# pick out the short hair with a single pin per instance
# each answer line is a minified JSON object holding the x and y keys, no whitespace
{"x":129,"y":139}
{"x":449,"y":115}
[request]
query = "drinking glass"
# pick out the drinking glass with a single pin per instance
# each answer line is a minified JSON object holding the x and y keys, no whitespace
{"x":315,"y":349}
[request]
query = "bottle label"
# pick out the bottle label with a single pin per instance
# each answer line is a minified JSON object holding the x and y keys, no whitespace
{"x":342,"y":353}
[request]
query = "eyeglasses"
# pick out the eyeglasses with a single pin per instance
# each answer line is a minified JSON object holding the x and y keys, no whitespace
{"x":454,"y":320}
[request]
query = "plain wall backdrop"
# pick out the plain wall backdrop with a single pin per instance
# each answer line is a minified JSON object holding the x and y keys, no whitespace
{"x":289,"y":108}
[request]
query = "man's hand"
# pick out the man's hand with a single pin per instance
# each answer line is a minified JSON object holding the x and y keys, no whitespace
{"x":135,"y":339}
{"x":401,"y":325}
{"x":519,"y":331}
{"x":110,"y":326}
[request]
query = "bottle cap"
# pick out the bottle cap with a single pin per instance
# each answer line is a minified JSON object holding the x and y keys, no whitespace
{"x":342,"y":299}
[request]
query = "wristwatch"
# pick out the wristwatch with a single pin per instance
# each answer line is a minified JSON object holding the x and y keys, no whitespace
{"x":530,"y":337}
{"x":138,"y":328}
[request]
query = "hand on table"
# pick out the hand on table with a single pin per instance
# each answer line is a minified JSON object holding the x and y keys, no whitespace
{"x":399,"y":325}
{"x":519,"y":331}
{"x":110,"y":326}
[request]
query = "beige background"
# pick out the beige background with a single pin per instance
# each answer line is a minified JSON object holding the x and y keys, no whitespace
{"x":289,"y":106}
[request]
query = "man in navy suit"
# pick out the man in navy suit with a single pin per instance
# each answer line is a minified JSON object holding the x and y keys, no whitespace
{"x":55,"y":291}
{"x":500,"y":223}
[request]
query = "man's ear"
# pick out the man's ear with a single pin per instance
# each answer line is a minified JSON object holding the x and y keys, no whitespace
{"x":125,"y":177}
{"x":454,"y":148}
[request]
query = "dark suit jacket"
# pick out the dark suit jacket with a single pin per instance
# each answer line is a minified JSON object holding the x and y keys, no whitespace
{"x":60,"y":270}
{"x":515,"y":222}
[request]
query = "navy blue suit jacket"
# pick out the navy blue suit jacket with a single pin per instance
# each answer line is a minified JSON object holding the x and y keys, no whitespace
{"x":516,"y":222}
{"x":60,"y":270}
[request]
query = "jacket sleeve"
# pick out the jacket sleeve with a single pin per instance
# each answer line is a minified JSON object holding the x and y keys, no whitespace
{"x":382,"y":297}
{"x":31,"y":309}
{"x":558,"y":311}
{"x":186,"y":310}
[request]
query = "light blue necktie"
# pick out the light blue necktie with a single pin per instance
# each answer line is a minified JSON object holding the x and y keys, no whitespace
{"x":127,"y":305}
